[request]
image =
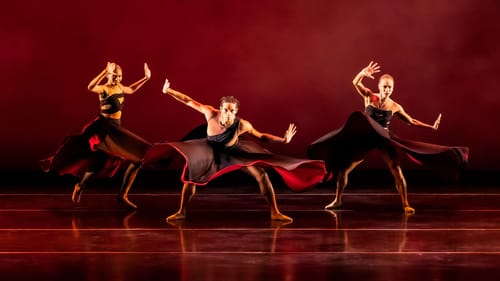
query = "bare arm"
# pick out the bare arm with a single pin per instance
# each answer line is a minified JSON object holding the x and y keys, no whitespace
{"x":289,"y":133}
{"x":207,"y":110}
{"x":94,"y":85}
{"x":135,"y":86}
{"x":405,"y":116}
{"x":368,"y":71}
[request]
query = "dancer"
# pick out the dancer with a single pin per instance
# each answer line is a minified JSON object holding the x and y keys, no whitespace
{"x":103,"y":145}
{"x":345,"y":148}
{"x":223,"y":150}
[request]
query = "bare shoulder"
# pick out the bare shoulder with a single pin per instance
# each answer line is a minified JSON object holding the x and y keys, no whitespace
{"x":98,"y":89}
{"x":126,"y":89}
{"x":365,"y":92}
{"x":245,"y":125}
{"x":208,"y":110}
{"x":396,"y":107}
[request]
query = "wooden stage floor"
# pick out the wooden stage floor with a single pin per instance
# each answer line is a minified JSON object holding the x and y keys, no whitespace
{"x":454,"y":235}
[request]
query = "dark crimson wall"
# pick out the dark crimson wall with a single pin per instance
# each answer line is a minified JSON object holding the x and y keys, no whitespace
{"x":286,"y":60}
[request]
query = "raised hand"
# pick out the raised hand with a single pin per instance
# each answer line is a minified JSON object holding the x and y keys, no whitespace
{"x":436,"y":123}
{"x":147,"y":71}
{"x":292,"y":130}
{"x":110,"y":67}
{"x":371,"y":69}
{"x":166,"y":86}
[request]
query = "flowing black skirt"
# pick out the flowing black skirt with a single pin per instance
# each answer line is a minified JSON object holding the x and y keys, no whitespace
{"x":205,"y":162}
{"x":360,"y":135}
{"x":102,"y":147}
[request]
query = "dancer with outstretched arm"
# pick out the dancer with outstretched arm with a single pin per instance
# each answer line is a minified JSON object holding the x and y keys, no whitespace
{"x":345,"y":148}
{"x":103,"y":146}
{"x":223,"y":150}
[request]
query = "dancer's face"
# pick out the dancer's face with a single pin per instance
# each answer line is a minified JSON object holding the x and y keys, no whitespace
{"x":386,"y":86}
{"x":115,"y":77}
{"x":228,"y":112}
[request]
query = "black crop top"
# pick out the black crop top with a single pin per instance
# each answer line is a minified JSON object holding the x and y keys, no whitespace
{"x":112,"y":102}
{"x":383,"y":117}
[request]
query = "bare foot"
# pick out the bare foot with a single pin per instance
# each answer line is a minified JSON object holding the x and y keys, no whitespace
{"x":124,"y":199}
{"x":280,"y":217}
{"x":177,"y":216}
{"x":409,"y":210}
{"x":77,"y":194}
{"x":335,"y":204}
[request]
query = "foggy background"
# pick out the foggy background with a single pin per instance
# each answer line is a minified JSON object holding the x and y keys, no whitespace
{"x":286,"y":61}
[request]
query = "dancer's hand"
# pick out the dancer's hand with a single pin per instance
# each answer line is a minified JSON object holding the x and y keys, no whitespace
{"x":436,"y":123}
{"x":147,"y":71}
{"x":371,"y":69}
{"x":166,"y":86}
{"x":110,"y":67}
{"x":292,"y":130}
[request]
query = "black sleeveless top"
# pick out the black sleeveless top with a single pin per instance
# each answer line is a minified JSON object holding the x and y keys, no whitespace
{"x":222,"y":139}
{"x":112,"y":101}
{"x":383,"y":117}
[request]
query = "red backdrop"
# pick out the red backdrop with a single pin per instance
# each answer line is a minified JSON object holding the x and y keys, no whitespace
{"x":287,"y":61}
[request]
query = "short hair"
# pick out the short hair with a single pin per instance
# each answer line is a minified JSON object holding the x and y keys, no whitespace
{"x":230,"y":99}
{"x":386,"y":76}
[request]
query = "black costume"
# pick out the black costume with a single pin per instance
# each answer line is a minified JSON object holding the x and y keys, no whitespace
{"x":208,"y":158}
{"x":364,"y":132}
{"x":102,"y":146}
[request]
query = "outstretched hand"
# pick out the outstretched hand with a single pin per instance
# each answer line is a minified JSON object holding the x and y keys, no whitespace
{"x":166,"y":86}
{"x":292,"y":130}
{"x":436,"y":123}
{"x":147,"y":71}
{"x":371,"y":69}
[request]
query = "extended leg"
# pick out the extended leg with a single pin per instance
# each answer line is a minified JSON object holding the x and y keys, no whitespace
{"x":96,"y":163}
{"x":267,"y":190}
{"x":128,"y":180}
{"x":188,"y":191}
{"x":341,"y":183}
{"x":77,"y":191}
{"x":390,"y":158}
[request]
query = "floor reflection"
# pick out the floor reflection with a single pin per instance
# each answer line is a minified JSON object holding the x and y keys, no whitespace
{"x":392,"y":239}
{"x":193,"y":239}
{"x":231,"y":254}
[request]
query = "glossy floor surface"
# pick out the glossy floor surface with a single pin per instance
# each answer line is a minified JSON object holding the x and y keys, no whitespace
{"x":454,"y":235}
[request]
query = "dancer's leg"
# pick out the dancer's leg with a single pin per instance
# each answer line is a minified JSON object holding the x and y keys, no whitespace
{"x":267,"y":190}
{"x":341,"y":183}
{"x":390,"y":157}
{"x":78,"y":189}
{"x":128,"y":180}
{"x":188,"y":191}
{"x":96,"y":163}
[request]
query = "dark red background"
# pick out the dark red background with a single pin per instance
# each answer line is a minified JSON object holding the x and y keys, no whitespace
{"x":287,"y":61}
